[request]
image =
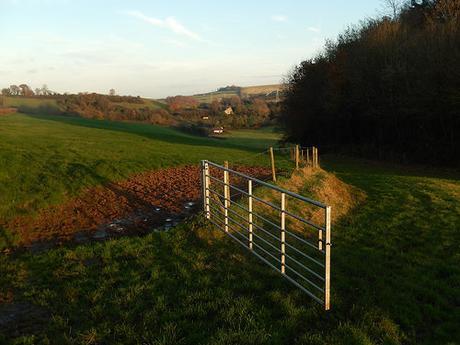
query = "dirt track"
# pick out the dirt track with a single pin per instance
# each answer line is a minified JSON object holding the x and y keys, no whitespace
{"x":136,"y":205}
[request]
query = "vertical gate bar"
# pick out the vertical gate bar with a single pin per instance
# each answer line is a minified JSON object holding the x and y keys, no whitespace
{"x":229,"y":190}
{"x":320,"y":239}
{"x":207,"y":182}
{"x":226,"y":198}
{"x":250,"y":212}
{"x":327,"y":287}
{"x":308,"y":156}
{"x":283,"y":234}
{"x":203,"y":187}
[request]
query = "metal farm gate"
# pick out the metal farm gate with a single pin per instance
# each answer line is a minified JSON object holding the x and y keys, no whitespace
{"x":268,"y":221}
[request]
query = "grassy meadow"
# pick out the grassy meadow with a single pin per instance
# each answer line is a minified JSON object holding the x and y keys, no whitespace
{"x":395,"y":257}
{"x":29,"y":102}
{"x":45,"y":159}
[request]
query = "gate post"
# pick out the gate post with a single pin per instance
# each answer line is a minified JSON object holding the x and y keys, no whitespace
{"x":327,"y":286}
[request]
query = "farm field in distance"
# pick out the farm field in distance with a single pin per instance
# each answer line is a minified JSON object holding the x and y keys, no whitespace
{"x":192,"y":285}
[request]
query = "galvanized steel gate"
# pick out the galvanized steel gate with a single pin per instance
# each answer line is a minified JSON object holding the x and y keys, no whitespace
{"x":301,"y":254}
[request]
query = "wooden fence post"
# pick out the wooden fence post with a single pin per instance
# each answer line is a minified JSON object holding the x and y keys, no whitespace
{"x":297,"y":157}
{"x":308,"y":156}
{"x":316,"y":152}
{"x":317,"y":158}
{"x":272,"y":159}
{"x":314,"y":157}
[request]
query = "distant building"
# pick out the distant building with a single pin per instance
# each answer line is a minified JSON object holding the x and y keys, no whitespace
{"x":218,"y":130}
{"x":205,"y":117}
{"x":228,"y":111}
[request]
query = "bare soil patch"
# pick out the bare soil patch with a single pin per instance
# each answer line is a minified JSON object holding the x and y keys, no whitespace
{"x":139,"y":204}
{"x":7,"y":111}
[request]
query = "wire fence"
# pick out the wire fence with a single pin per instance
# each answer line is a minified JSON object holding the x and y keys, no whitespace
{"x":282,"y":160}
{"x":288,"y":232}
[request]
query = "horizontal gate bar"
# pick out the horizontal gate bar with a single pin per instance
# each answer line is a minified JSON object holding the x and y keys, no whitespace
{"x":295,"y":195}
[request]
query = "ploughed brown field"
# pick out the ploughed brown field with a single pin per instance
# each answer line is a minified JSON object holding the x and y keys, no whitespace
{"x":132,"y":206}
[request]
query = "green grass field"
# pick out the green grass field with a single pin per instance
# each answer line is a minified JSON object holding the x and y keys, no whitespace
{"x":45,"y":159}
{"x":28,"y":102}
{"x":259,"y":139}
{"x":395,"y":259}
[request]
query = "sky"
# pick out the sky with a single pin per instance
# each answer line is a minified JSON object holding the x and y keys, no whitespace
{"x":158,"y":48}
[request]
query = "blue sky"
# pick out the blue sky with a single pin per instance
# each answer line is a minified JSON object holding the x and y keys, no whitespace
{"x":159,"y":48}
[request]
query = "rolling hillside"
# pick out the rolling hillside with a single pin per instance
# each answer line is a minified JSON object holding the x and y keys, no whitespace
{"x":244,"y":92}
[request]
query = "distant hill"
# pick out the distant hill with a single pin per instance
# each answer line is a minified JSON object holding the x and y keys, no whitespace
{"x":37,"y":102}
{"x":268,"y":92}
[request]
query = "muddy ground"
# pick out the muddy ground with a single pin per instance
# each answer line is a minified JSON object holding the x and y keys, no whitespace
{"x":155,"y":200}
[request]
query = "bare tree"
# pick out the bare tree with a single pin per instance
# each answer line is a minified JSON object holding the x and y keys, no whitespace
{"x":392,"y":7}
{"x":15,"y":90}
{"x":45,"y":91}
{"x":26,"y":90}
{"x":6,"y":91}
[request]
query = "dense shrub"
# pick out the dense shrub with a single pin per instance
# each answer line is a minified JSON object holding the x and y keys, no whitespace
{"x":98,"y":106}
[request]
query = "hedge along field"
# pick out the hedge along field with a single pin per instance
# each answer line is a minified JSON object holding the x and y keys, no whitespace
{"x":46,"y":159}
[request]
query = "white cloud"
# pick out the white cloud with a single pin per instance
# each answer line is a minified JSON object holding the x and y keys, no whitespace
{"x":169,"y":23}
{"x":314,"y":29}
{"x":279,"y":18}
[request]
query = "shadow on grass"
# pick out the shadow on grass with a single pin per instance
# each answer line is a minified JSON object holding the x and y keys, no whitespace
{"x":7,"y":239}
{"x":166,"y":134}
{"x":355,"y":166}
{"x":396,"y":252}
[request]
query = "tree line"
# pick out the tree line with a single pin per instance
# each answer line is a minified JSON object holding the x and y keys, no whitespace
{"x":176,"y":110}
{"x":27,"y":91}
{"x":388,"y":88}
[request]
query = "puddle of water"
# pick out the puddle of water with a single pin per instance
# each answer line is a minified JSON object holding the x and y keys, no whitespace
{"x":80,"y":237}
{"x":100,"y":234}
{"x":20,"y":317}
